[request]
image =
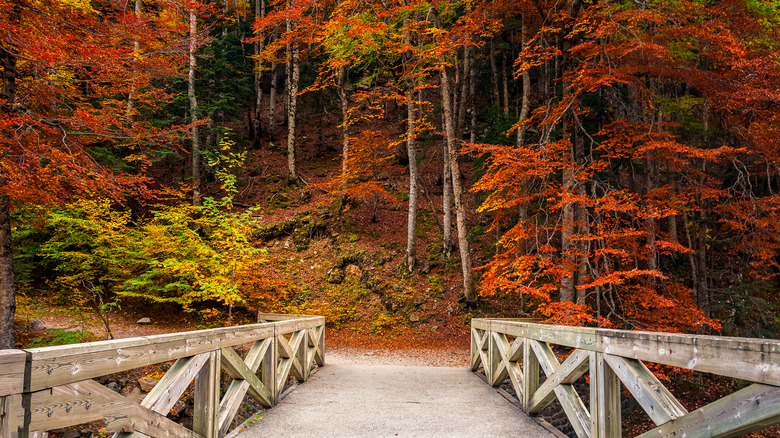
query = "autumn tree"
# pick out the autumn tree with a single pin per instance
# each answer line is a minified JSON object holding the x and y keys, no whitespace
{"x":69,"y":69}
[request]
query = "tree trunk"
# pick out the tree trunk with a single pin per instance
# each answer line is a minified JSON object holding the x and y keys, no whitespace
{"x":343,"y":79}
{"x":411,"y":151}
{"x":494,"y":75}
{"x":446,"y":200}
{"x":7,"y":288}
{"x":526,"y":105}
{"x":136,"y":52}
{"x":464,"y":93}
{"x":567,"y":232}
{"x":259,"y":45}
{"x":293,"y":73}
{"x":272,"y":101}
{"x":460,"y":210}
{"x":472,"y":99}
{"x":194,"y":108}
{"x":505,"y":73}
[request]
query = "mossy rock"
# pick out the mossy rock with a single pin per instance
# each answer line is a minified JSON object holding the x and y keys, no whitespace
{"x":302,"y":229}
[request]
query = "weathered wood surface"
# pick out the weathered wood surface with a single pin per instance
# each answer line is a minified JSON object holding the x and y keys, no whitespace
{"x":48,"y":388}
{"x":519,"y":350}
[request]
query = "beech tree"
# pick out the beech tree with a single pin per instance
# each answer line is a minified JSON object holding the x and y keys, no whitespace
{"x":65,"y":66}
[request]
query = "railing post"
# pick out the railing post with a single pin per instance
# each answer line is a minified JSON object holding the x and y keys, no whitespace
{"x":303,"y":348}
{"x":530,"y":374}
{"x":206,"y":416}
{"x":604,"y":399}
{"x":269,"y":370}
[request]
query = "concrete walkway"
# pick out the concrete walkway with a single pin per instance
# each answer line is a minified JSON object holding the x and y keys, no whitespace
{"x":345,"y":399}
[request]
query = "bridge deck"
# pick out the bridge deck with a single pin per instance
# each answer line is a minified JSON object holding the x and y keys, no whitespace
{"x":347,"y":399}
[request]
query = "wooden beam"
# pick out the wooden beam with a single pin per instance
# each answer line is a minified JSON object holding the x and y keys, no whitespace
{"x":744,"y":411}
{"x":530,"y":374}
{"x":54,"y":366}
{"x":757,"y":360}
{"x":604,"y":399}
{"x":205,"y":417}
{"x":566,"y":374}
{"x":12,"y":371}
{"x":648,"y":391}
{"x":582,"y":338}
{"x":476,"y":360}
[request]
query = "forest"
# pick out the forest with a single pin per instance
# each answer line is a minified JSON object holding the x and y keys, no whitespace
{"x":395,"y":164}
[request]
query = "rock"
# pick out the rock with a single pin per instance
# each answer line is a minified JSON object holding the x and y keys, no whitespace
{"x":35,"y":325}
{"x":144,"y":321}
{"x":335,"y":276}
{"x":353,"y":271}
{"x":147,"y":382}
{"x":419,"y":301}
{"x":178,"y":408}
{"x":113,"y":386}
{"x":414,"y":317}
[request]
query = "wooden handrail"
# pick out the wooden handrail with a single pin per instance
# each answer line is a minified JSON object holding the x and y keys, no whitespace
{"x":518,"y":350}
{"x":52,"y":387}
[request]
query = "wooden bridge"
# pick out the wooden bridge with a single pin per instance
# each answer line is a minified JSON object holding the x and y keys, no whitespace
{"x":50,"y":388}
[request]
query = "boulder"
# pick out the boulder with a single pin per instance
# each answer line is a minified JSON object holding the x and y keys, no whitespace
{"x":353,"y":271}
{"x":144,"y":321}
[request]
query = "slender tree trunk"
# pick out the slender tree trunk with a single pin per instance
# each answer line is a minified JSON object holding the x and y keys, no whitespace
{"x":272,"y":101}
{"x":136,"y":51}
{"x":568,"y":224}
{"x":494,"y":75}
{"x":526,"y":105}
{"x":505,"y":74}
{"x":411,"y":151}
{"x":464,"y":94}
{"x":472,"y":99}
{"x":457,"y":191}
{"x":293,"y":72}
{"x":259,"y":45}
{"x":7,"y":288}
{"x":446,"y":199}
{"x":343,"y":78}
{"x":194,"y":108}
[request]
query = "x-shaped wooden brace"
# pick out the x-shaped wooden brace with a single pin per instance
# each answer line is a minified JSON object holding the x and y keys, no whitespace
{"x":479,"y":342}
{"x":244,"y":374}
{"x":559,"y":381}
{"x":510,"y":355}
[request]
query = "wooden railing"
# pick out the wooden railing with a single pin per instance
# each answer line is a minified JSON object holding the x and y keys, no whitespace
{"x":517,"y":350}
{"x":52,"y":387}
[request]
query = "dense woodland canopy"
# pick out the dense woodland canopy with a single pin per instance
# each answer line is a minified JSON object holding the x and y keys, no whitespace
{"x":620,"y":160}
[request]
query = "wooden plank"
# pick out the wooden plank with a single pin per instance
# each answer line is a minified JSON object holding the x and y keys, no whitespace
{"x":604,"y":399}
{"x":748,"y":409}
{"x":648,"y":391}
{"x":268,"y":369}
{"x":508,"y":327}
{"x":230,"y":404}
{"x":567,"y":373}
{"x":757,"y":360}
{"x":12,"y":371}
{"x":235,"y":366}
{"x":480,"y":323}
{"x":9,"y":415}
{"x":173,"y":384}
{"x":530,"y":374}
{"x":582,"y":338}
{"x":54,"y":366}
{"x":205,"y":417}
